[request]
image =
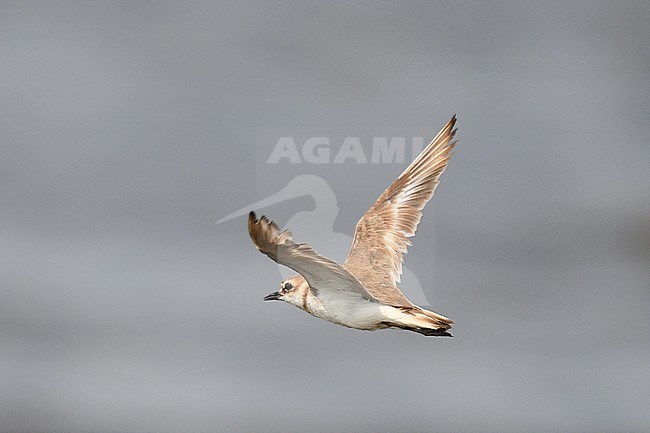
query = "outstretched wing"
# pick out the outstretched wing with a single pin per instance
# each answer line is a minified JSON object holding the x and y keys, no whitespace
{"x":381,"y":236}
{"x":324,"y":276}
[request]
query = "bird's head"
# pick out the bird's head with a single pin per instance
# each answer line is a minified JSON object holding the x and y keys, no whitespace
{"x":292,"y":291}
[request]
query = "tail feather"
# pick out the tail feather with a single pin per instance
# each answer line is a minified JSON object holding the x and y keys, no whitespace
{"x":431,"y":332}
{"x":442,"y":321}
{"x":422,"y":321}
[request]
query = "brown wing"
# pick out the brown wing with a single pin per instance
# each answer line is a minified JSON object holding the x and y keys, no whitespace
{"x":326,"y":277}
{"x":381,"y":236}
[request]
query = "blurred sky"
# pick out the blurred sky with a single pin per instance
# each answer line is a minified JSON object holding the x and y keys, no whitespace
{"x":129,"y":128}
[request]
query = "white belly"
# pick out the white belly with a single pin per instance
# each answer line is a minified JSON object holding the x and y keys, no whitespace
{"x":361,"y":314}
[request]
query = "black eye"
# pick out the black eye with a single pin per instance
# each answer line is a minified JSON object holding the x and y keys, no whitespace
{"x":287,"y":287}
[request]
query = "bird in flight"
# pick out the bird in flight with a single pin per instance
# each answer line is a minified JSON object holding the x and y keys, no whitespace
{"x":362,"y":292}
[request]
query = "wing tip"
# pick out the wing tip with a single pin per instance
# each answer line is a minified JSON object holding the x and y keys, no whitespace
{"x":451,"y":130}
{"x":452,"y":121}
{"x":252,"y":227}
{"x":266,"y":234}
{"x":253,"y":220}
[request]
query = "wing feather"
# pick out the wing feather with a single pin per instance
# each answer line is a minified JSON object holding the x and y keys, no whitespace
{"x":381,"y":235}
{"x":321,"y":273}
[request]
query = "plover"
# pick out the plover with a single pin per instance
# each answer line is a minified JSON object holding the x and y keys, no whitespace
{"x":362,"y":293}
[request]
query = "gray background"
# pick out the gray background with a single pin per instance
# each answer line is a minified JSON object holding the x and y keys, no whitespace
{"x":128,"y":129}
